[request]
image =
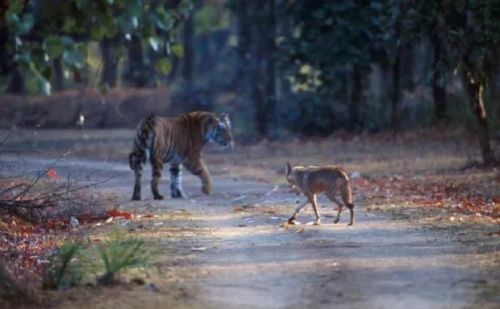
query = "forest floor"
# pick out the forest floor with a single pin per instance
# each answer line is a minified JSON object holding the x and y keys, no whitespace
{"x":427,"y":233}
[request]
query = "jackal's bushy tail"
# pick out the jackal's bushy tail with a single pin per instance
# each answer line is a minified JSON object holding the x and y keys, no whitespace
{"x":347,"y":193}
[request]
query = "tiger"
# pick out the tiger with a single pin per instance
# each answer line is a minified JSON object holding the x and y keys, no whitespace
{"x":178,"y":141}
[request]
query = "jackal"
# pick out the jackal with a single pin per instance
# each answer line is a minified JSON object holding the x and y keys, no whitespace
{"x":329,"y":179}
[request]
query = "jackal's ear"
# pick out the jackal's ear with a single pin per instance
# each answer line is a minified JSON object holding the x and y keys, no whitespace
{"x":288,"y":169}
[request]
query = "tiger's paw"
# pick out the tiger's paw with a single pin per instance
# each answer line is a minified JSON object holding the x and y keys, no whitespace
{"x":177,"y":193}
{"x":158,"y":197}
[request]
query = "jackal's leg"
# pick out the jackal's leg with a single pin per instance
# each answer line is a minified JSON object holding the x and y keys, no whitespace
{"x":157,"y":166}
{"x":315,"y":208}
{"x":292,"y":218}
{"x":339,"y":208}
{"x":346,"y":192}
{"x":351,"y":210}
{"x":176,"y":181}
{"x":137,"y":186}
{"x":331,"y":196}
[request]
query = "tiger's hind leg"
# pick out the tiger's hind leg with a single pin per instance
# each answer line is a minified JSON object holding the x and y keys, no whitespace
{"x":157,"y":166}
{"x":176,"y":181}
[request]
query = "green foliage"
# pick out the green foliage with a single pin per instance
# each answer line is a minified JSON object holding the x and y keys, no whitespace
{"x":70,"y":264}
{"x":38,"y":32}
{"x":163,"y":65}
{"x":210,"y":18}
{"x":330,"y":36}
{"x":65,"y":268}
{"x":119,"y":254}
{"x":178,"y":50}
{"x":469,"y":30}
{"x":322,"y":45}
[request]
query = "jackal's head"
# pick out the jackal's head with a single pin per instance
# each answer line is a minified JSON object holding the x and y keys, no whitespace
{"x":293,"y":179}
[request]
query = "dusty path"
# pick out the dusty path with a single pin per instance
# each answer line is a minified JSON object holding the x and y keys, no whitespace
{"x":231,"y":249}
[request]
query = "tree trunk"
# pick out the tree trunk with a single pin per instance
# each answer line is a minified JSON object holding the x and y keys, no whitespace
{"x":244,"y":41}
{"x":407,"y":66}
{"x":188,"y":59}
{"x":137,"y":74}
{"x":396,"y":91}
{"x":271,"y":66}
{"x":258,"y":65}
{"x":175,"y":68}
{"x":16,"y":81}
{"x":258,"y":98}
{"x":492,"y":68}
{"x":109,"y":75}
{"x":356,"y":90}
{"x":475,"y":89}
{"x":438,"y":88}
{"x":258,"y":93}
{"x":58,"y":80}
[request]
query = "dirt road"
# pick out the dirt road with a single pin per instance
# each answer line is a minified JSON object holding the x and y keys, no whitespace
{"x":229,"y":250}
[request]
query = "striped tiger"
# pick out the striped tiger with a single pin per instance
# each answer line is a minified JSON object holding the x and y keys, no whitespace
{"x":179,"y":142}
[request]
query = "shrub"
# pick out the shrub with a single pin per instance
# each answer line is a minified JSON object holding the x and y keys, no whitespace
{"x":119,"y":254}
{"x":66,"y":268}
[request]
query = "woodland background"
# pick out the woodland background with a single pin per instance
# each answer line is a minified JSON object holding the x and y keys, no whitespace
{"x":280,"y":67}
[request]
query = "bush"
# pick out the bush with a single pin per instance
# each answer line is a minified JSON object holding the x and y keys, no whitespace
{"x":66,"y":267}
{"x":119,"y":254}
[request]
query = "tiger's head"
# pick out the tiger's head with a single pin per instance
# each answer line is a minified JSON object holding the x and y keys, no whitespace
{"x":219,"y":131}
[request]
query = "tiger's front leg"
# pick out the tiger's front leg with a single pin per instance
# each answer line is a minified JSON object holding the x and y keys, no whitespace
{"x":136,"y":161}
{"x":198,"y":168}
{"x":137,"y":186}
{"x":176,"y":181}
{"x":157,"y":166}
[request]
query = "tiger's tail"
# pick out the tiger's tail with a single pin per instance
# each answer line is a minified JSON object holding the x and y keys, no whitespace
{"x":142,"y":139}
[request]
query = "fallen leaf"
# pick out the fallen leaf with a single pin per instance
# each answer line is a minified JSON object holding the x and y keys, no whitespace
{"x":198,"y":249}
{"x":52,"y":174}
{"x":115,"y":213}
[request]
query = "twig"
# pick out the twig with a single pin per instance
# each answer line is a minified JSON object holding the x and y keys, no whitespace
{"x":9,"y":134}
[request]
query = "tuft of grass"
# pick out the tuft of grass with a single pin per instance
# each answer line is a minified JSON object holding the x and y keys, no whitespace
{"x":66,"y":269}
{"x":119,"y":254}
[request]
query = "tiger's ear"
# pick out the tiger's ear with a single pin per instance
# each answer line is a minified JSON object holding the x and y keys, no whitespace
{"x":288,"y":169}
{"x":224,"y":117}
{"x":212,"y":120}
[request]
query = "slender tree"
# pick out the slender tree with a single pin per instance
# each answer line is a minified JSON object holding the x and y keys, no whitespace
{"x":438,"y":78}
{"x":110,"y":57}
{"x":189,"y":56}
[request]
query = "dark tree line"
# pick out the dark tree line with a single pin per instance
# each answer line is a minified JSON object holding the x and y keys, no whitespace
{"x":328,"y":48}
{"x":306,"y":65}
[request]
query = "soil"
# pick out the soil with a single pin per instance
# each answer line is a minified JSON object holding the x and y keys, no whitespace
{"x":233,"y":249}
